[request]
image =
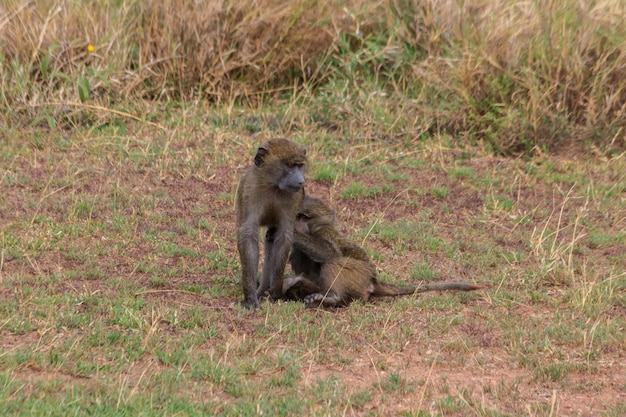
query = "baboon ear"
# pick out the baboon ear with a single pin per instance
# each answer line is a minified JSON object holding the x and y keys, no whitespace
{"x":260,"y":154}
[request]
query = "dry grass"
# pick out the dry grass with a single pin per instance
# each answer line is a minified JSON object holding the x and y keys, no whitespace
{"x":515,"y":74}
{"x":165,"y":49}
{"x":120,"y":293}
{"x":531,"y":73}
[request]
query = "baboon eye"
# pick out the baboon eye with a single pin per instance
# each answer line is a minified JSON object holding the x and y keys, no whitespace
{"x":292,"y":164}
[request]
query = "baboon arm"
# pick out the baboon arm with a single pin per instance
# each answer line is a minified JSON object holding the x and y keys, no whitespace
{"x":318,"y":250}
{"x":354,"y":251}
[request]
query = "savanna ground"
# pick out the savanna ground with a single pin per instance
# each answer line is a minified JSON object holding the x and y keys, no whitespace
{"x":480,"y":141}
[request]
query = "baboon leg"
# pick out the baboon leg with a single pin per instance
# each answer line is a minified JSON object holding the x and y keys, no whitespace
{"x":249,"y":257}
{"x":277,"y":244}
{"x":290,"y":282}
{"x":298,"y":287}
{"x":264,"y":282}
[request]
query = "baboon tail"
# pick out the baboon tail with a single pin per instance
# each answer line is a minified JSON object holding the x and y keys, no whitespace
{"x":449,"y":286}
{"x":385,"y":289}
{"x":382,"y":289}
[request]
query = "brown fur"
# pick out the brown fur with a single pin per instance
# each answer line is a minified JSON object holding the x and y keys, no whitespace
{"x":269,"y":195}
{"x":333,"y":271}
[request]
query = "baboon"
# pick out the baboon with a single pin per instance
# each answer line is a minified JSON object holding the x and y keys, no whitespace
{"x":332,"y":271}
{"x":269,"y":195}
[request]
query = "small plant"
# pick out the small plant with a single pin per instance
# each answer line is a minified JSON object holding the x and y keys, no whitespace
{"x":552,"y":372}
{"x":395,"y":382}
{"x":359,"y":190}
{"x":499,"y":203}
{"x":325,"y":172}
{"x":440,"y":192}
{"x":83,"y":89}
{"x":422,"y":272}
{"x":462,"y":173}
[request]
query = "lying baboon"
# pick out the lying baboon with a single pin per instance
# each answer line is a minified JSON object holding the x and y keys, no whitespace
{"x":269,"y":195}
{"x":333,"y":271}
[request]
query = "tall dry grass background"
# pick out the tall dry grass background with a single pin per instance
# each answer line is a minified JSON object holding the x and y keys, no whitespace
{"x":518,"y":75}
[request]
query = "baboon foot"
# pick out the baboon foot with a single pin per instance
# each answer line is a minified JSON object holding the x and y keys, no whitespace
{"x":318,"y":299}
{"x":251,"y":303}
{"x":265,"y":296}
{"x":313,"y":300}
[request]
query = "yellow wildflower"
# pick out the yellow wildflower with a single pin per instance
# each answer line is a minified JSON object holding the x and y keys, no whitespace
{"x":90,"y":48}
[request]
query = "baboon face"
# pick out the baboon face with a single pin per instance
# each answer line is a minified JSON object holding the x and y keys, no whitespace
{"x":288,"y":171}
{"x":301,"y":225}
{"x":292,"y":178}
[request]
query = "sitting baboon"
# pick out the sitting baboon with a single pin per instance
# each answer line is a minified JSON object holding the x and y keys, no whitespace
{"x":269,"y":195}
{"x":333,"y":271}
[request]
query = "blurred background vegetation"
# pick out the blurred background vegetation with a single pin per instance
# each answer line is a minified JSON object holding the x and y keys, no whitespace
{"x":518,"y":76}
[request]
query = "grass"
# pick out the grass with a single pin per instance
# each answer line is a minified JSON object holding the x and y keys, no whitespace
{"x":120,"y":285}
{"x":414,"y":77}
{"x":119,"y":277}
